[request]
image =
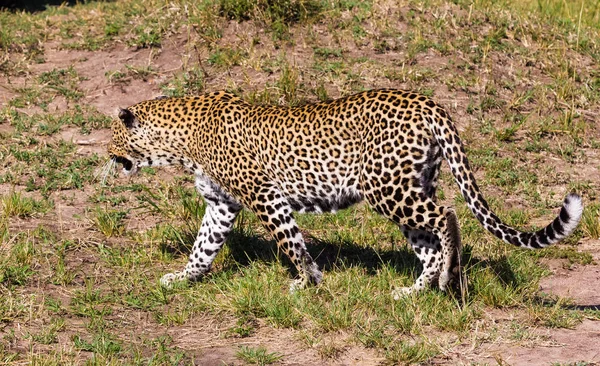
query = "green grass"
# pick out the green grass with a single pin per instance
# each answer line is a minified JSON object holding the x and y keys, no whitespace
{"x":48,"y":334}
{"x":585,"y":12}
{"x":49,"y":166}
{"x":591,"y":221}
{"x":189,"y":83}
{"x":257,"y":356}
{"x":16,"y":205}
{"x":109,"y":222}
{"x":80,"y":263}
{"x":276,"y":15}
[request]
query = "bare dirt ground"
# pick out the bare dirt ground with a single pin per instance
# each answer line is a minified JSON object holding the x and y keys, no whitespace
{"x":204,"y":337}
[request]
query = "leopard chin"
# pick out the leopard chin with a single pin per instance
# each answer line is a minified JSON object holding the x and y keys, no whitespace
{"x":129,"y":168}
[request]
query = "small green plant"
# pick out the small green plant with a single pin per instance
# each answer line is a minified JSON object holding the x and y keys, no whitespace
{"x":140,"y":72}
{"x":244,"y":328}
{"x":554,"y":313}
{"x":62,"y":81}
{"x":289,"y":85}
{"x":54,"y":306}
{"x":147,"y":37}
{"x":165,"y":352}
{"x":48,"y":334}
{"x":115,"y":76}
{"x":324,"y":52}
{"x":226,"y":57}
{"x":564,"y":252}
{"x":4,"y":232}
{"x":321,"y":93}
{"x":411,"y":352}
{"x":16,"y":205}
{"x":111,"y":29}
{"x":190,"y":82}
{"x":257,"y":356}
{"x":329,"y":350}
{"x":590,"y":222}
{"x":14,"y":275}
{"x":109,"y":222}
{"x":103,"y":343}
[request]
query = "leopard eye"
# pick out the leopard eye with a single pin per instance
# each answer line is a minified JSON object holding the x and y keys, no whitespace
{"x":127,"y":117}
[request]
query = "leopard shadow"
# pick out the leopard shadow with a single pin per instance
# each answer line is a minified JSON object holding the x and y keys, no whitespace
{"x":245,"y":247}
{"x":33,"y":6}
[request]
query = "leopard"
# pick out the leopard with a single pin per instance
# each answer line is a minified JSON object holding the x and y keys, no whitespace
{"x":382,"y":146}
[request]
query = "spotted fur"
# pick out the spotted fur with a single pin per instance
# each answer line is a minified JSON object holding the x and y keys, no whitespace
{"x":383,"y":146}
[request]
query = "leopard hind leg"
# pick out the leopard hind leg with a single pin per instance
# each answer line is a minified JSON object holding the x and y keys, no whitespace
{"x":428,"y":249}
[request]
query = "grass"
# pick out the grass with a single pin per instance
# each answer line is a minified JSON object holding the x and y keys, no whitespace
{"x":276,"y":15}
{"x":257,"y":356}
{"x":80,"y":262}
{"x":16,"y":205}
{"x":591,"y":221}
{"x":109,"y":222}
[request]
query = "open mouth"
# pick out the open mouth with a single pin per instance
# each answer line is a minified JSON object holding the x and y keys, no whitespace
{"x":127,"y":164}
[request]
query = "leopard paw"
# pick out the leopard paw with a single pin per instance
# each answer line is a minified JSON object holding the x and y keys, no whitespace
{"x":169,"y":279}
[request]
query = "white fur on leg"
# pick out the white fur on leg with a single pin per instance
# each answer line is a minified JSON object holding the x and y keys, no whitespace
{"x":169,"y":279}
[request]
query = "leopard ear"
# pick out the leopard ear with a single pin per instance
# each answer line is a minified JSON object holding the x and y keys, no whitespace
{"x":127,"y":117}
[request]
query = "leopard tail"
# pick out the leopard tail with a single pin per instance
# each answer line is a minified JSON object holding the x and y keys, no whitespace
{"x":453,"y":151}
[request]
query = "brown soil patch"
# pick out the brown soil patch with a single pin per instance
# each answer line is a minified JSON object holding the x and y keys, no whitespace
{"x":562,"y":346}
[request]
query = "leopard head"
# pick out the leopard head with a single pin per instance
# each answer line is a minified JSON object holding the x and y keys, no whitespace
{"x":139,"y":139}
{"x":122,"y":149}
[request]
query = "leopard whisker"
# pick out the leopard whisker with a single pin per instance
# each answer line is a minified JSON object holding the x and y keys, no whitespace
{"x":103,"y":173}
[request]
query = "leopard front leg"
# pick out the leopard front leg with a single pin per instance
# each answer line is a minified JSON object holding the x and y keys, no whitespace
{"x":219,"y":217}
{"x":275,"y":213}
